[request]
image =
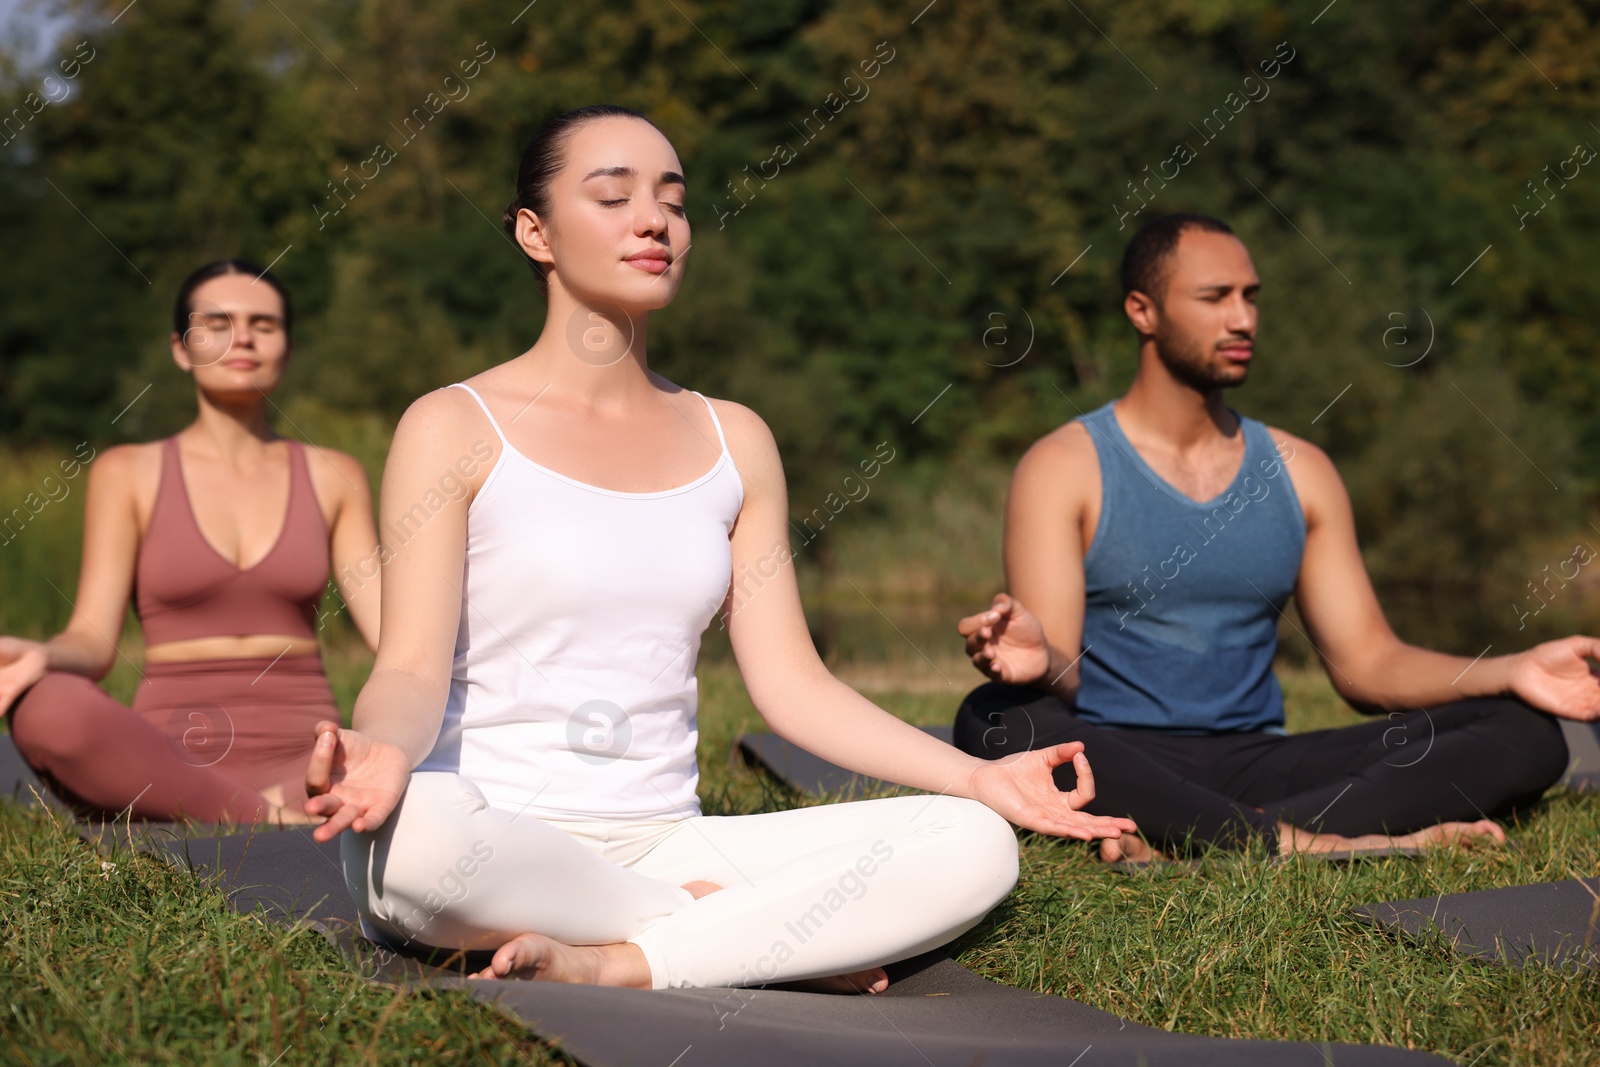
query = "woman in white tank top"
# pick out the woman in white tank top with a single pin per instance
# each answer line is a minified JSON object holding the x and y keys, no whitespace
{"x":558,"y":533}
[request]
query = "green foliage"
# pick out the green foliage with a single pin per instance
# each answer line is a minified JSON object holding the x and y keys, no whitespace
{"x":841,"y":288}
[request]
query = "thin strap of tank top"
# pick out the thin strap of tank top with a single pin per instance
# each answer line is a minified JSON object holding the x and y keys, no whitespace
{"x":498,"y":432}
{"x":722,"y":439}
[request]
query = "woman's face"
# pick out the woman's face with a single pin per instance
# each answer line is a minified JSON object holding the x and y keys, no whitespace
{"x":235,"y":342}
{"x":616,"y":232}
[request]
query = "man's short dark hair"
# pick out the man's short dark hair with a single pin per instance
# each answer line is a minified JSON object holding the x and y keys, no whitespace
{"x":1145,"y":263}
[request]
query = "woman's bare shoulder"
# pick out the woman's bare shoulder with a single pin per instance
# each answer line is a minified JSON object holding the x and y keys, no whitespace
{"x":750,"y":441}
{"x":130,"y":466}
{"x":736,"y":418}
{"x":444,"y":414}
{"x":330,"y":463}
{"x":746,"y":431}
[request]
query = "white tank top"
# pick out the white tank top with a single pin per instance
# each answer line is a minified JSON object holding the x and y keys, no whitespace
{"x":573,"y":692}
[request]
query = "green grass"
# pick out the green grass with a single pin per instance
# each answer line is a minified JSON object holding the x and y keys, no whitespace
{"x":143,"y":964}
{"x":148,"y":962}
{"x":1243,"y":948}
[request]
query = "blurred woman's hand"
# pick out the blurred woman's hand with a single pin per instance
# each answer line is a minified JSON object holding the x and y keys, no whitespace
{"x":22,"y":663}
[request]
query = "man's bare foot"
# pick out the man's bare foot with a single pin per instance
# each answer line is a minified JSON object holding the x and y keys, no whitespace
{"x":871,"y":980}
{"x":1129,"y":848}
{"x":1294,"y":839}
{"x":1455,"y":833}
{"x":544,"y":959}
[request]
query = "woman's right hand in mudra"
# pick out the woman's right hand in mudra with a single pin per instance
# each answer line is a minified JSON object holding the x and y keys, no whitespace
{"x":22,"y":663}
{"x":1007,"y":642}
{"x":1022,"y":788}
{"x":353,"y":780}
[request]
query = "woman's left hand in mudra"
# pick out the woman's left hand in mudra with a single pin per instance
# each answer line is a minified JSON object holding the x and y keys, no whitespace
{"x":353,"y":780}
{"x":1023,"y":789}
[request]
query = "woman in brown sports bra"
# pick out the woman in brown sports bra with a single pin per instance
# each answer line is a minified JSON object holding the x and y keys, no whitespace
{"x":225,"y":578}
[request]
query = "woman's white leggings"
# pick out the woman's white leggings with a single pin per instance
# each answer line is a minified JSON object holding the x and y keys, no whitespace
{"x":806,"y":893}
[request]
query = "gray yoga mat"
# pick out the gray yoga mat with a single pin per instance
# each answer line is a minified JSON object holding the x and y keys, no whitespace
{"x":18,"y":782}
{"x":934,"y":1012}
{"x":937,"y":1014}
{"x":287,"y":872}
{"x":291,"y":877}
{"x":1583,"y":756}
{"x":799,"y":769}
{"x":1555,"y":923}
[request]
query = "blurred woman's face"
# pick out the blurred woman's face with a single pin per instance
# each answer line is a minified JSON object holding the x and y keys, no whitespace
{"x":616,"y":232}
{"x":235,"y":343}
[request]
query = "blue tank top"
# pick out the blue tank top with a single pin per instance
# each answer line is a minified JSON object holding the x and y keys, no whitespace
{"x":1182,"y":598}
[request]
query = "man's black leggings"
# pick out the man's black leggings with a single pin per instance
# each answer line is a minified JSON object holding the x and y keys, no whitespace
{"x":1460,"y":762}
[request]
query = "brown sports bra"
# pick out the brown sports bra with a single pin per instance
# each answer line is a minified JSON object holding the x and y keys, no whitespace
{"x":184,"y":588}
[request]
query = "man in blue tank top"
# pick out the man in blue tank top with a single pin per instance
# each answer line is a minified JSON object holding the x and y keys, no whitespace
{"x":1155,"y":543}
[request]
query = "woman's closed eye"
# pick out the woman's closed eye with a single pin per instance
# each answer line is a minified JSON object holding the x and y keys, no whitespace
{"x":672,"y":206}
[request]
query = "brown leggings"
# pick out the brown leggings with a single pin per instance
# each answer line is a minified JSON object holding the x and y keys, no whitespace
{"x":202,"y":740}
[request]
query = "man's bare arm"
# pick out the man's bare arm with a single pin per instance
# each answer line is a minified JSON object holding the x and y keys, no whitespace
{"x":1368,"y":664}
{"x":1046,"y":533}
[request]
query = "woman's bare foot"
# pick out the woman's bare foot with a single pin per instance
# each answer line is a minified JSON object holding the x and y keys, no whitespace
{"x":286,"y":814}
{"x":544,"y":959}
{"x":1129,"y":848}
{"x":871,"y":980}
{"x":701,"y":889}
{"x":1294,"y":839}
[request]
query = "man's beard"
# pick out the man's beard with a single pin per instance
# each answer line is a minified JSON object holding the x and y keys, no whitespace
{"x":1186,"y":361}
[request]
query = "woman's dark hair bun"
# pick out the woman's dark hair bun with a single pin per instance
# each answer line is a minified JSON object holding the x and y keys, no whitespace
{"x":544,"y":156}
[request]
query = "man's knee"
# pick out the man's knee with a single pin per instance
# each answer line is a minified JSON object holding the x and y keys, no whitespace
{"x":1546,"y":745}
{"x":1535,"y":736}
{"x":998,"y":720}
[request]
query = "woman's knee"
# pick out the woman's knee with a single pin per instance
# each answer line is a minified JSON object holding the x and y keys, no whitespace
{"x":983,"y":850}
{"x":431,"y":906}
{"x":54,"y":720}
{"x":411,"y":875}
{"x":433,"y":817}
